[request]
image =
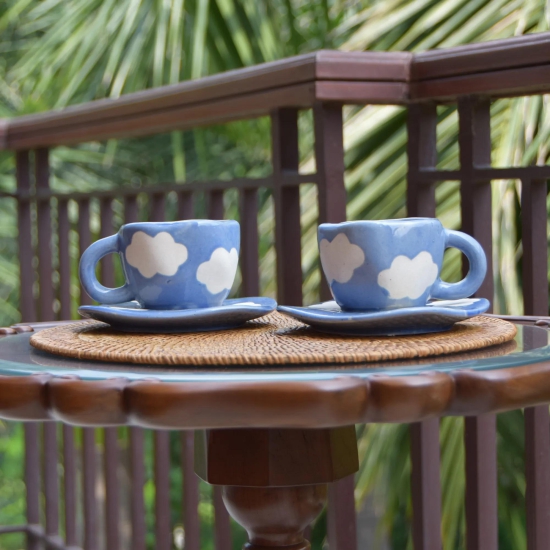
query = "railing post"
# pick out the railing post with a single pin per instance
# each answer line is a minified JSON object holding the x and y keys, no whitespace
{"x":329,"y":159}
{"x":111,"y":460}
{"x":535,"y":247}
{"x":422,"y":155}
{"x":425,"y":452}
{"x":27,"y":305}
{"x":475,"y":151}
{"x":215,"y":205}
{"x":481,"y":482}
{"x":284,"y":128}
{"x":341,"y":524}
{"x":69,"y":485}
{"x":480,"y":431}
{"x":537,"y":419}
{"x":248,"y":206}
{"x":84,"y":239}
{"x":88,"y":490}
{"x":163,"y":538}
{"x":32,"y":481}
{"x":51,"y":479}
{"x":537,"y":477}
{"x":63,"y":233}
{"x":186,"y":207}
{"x":426,"y":485}
{"x":105,"y":230}
{"x":191,"y":521}
{"x":137,"y":482}
{"x":44,"y":226}
{"x":28,"y":312}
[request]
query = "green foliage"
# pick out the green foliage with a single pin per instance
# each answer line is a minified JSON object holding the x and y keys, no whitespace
{"x":61,"y":52}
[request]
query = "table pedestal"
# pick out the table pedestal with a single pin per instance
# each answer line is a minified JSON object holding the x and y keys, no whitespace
{"x":275,"y":480}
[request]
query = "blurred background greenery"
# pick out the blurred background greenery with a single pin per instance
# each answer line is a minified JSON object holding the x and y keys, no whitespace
{"x":60,"y":52}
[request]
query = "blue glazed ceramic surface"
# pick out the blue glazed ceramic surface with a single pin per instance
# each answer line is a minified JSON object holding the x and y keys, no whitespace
{"x":168,"y":265}
{"x":388,"y":264}
{"x":437,"y":316}
{"x":130,"y":317}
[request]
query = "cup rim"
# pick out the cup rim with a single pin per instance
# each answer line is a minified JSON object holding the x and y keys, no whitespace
{"x":178,"y":222}
{"x":378,"y":222}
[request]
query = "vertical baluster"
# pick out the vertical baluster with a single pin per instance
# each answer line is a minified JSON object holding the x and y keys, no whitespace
{"x":64,"y":259}
{"x":32,"y":480}
{"x":480,"y":432}
{"x":537,"y":419}
{"x":84,"y":239}
{"x":106,"y":229}
{"x":158,"y":207}
{"x":425,"y":477}
{"x":51,"y":488}
{"x":137,"y":472}
{"x":342,"y":529}
{"x":24,"y":217}
{"x":426,"y":485}
{"x":535,"y":247}
{"x":537,"y":477}
{"x":69,"y":484}
{"x":222,"y":523}
{"x":329,"y":158}
{"x":284,"y":129}
{"x":481,"y":482}
{"x":191,"y":524}
{"x":89,"y":485}
{"x":475,"y":150}
{"x":44,"y":226}
{"x":186,"y":208}
{"x":422,"y":155}
{"x":162,"y":491}
{"x":110,"y":464}
{"x":131,"y":210}
{"x":249,"y":242}
{"x":215,"y":204}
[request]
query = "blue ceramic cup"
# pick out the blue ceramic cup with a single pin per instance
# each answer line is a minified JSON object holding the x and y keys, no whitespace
{"x":388,"y":264}
{"x":168,"y":265}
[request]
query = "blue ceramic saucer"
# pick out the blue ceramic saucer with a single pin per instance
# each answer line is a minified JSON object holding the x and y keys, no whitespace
{"x":436,"y":316}
{"x":130,"y":317}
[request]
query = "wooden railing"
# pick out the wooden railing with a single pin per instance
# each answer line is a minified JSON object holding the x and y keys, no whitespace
{"x":469,"y":76}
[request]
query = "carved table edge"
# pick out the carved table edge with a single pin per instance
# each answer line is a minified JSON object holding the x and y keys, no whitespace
{"x":340,"y":401}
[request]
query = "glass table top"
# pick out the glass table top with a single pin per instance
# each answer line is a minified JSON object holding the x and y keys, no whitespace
{"x":18,"y":358}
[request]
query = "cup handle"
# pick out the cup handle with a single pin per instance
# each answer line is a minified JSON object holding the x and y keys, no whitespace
{"x":478,"y":267}
{"x":88,"y":262}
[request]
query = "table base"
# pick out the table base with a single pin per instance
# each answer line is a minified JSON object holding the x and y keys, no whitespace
{"x":275,"y":480}
{"x":275,"y":517}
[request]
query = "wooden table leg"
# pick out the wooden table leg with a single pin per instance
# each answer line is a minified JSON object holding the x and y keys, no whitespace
{"x":275,"y":517}
{"x":275,"y":480}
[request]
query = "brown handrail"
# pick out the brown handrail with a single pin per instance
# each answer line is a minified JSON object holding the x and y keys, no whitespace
{"x":500,"y":68}
{"x":238,"y":94}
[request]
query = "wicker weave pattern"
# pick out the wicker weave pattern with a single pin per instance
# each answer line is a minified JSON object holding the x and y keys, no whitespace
{"x":272,"y":340}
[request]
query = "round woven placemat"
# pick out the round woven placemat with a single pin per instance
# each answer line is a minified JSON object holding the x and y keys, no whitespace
{"x":275,"y":339}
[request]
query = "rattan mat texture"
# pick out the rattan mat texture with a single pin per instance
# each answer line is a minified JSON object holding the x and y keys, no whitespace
{"x":275,"y":339}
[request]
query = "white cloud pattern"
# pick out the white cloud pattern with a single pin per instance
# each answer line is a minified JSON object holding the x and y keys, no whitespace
{"x":340,"y":258}
{"x":159,"y":254}
{"x":219,"y":272}
{"x":408,"y":278}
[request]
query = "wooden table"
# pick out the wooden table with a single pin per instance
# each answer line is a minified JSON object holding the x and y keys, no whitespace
{"x":272,"y":437}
